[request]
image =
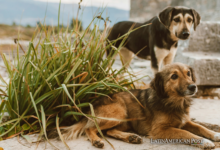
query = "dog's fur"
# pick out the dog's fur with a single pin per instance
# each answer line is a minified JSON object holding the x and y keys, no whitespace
{"x":164,"y":113}
{"x":157,"y":41}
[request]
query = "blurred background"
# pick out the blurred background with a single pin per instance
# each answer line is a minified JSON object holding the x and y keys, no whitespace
{"x":142,"y":10}
{"x":29,"y":13}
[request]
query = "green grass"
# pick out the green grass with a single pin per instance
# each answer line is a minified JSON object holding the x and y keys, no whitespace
{"x":56,"y":79}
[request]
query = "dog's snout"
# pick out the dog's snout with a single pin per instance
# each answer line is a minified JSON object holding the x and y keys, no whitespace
{"x":192,"y":87}
{"x":185,"y":34}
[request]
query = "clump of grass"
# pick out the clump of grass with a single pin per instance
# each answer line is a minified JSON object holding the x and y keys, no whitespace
{"x":56,"y":78}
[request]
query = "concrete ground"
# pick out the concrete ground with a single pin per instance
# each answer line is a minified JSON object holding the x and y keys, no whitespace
{"x":206,"y":111}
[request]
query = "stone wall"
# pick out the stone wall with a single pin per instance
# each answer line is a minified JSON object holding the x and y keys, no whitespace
{"x":206,"y":38}
{"x":142,"y":10}
{"x":202,"y":52}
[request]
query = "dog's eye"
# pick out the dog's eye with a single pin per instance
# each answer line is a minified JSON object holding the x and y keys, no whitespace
{"x":188,"y":73}
{"x":189,"y":19}
{"x":174,"y":76}
{"x":177,"y":19}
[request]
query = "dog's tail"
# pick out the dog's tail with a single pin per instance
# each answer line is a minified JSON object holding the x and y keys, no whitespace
{"x":71,"y":132}
{"x":75,"y":130}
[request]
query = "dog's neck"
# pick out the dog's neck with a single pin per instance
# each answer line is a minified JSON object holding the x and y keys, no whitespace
{"x":170,"y":105}
{"x":168,"y":38}
{"x":173,"y":37}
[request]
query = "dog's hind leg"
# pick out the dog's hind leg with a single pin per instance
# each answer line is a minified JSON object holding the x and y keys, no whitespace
{"x":93,"y":137}
{"x":115,"y":110}
{"x":126,"y":56}
{"x":92,"y":133}
{"x":118,"y":133}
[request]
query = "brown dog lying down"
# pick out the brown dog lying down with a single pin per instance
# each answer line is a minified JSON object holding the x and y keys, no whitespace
{"x":165,"y":114}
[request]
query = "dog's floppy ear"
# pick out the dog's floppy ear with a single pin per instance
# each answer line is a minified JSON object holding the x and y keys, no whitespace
{"x":196,"y":18}
{"x":158,"y":85}
{"x":192,"y":74}
{"x":166,"y":15}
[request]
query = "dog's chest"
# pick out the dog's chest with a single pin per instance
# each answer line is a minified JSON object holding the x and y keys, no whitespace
{"x":173,"y":48}
{"x":177,"y":121}
{"x":161,"y":53}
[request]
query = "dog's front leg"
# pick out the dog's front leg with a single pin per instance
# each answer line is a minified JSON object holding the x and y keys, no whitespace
{"x":157,"y":57}
{"x":169,"y":58}
{"x":176,"y":133}
{"x":201,"y":131}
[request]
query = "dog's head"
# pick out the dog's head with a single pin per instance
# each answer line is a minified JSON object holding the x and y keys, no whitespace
{"x":175,"y":80}
{"x":179,"y":20}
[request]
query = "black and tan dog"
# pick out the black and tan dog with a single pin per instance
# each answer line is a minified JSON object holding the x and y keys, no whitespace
{"x":157,"y":41}
{"x":164,"y":115}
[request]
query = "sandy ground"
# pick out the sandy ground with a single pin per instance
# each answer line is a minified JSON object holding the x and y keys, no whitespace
{"x":203,"y":110}
{"x":206,"y":111}
{"x":83,"y":144}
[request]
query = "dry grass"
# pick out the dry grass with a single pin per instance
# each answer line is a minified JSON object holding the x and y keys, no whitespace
{"x":7,"y":31}
{"x":8,"y":47}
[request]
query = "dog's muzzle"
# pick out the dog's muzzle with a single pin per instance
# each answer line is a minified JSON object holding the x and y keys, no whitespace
{"x":191,"y":89}
{"x":185,"y":34}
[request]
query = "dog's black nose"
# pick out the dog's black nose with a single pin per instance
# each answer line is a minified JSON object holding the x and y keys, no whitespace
{"x":185,"y":34}
{"x":192,"y":87}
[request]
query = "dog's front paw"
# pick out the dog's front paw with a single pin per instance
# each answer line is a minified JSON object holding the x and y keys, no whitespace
{"x":217,"y":137}
{"x":207,"y":144}
{"x":98,"y":144}
{"x":135,"y":139}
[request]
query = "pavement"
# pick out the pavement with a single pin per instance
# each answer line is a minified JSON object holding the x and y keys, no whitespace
{"x":206,"y":110}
